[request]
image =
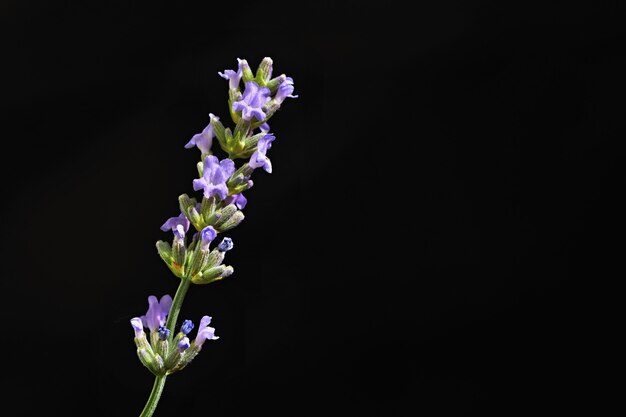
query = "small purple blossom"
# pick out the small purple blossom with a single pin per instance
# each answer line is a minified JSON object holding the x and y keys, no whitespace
{"x":206,"y":236}
{"x":137,"y":325}
{"x":179,"y":225}
{"x":285,"y":90}
{"x":253,"y":102}
{"x":238,"y":199}
{"x":205,"y":332}
{"x":184,"y":344}
{"x":233,"y":77}
{"x":157,"y":312}
{"x":164,"y":332}
{"x":259,"y":158}
{"x":214,"y":177}
{"x":187,"y":326}
{"x":264,"y":128}
{"x":225,"y":245}
{"x":204,"y":139}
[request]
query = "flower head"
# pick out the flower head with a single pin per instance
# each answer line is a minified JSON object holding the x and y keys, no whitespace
{"x":259,"y":158}
{"x":253,"y":102}
{"x":233,"y":77}
{"x":204,"y":139}
{"x":205,"y":332}
{"x":284,"y":90}
{"x":179,"y":225}
{"x":157,"y":312}
{"x":214,"y":176}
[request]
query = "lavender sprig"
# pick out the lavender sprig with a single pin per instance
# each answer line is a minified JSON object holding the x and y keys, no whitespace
{"x":219,"y":208}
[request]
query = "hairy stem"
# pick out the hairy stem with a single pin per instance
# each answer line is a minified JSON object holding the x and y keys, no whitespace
{"x":177,"y":303}
{"x":155,"y":395}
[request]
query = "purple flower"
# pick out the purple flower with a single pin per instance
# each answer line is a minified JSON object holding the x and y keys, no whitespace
{"x":205,"y":331}
{"x":204,"y":139}
{"x":157,"y":312}
{"x":264,"y":128}
{"x":225,"y":245}
{"x":233,"y":77}
{"x":285,"y":90}
{"x":238,"y":199}
{"x":259,"y":158}
{"x":187,"y":326}
{"x":164,"y":332}
{"x":206,"y":236}
{"x":183,"y":345}
{"x":253,"y":102}
{"x":179,"y":225}
{"x":137,"y":325}
{"x":214,"y":177}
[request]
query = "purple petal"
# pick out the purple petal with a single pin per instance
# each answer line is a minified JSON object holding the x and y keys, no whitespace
{"x":183,"y":344}
{"x":199,"y":184}
{"x":205,"y":332}
{"x":265,"y":143}
{"x":240,"y":201}
{"x":137,"y":325}
{"x":205,"y":321}
{"x":173,"y":222}
{"x":228,"y":167}
{"x":208,"y":234}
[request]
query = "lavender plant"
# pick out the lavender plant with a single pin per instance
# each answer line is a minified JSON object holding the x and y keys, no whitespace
{"x":163,"y":350}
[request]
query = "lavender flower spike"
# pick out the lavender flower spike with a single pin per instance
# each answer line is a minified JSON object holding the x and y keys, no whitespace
{"x":204,"y":139}
{"x":179,"y":225}
{"x":285,"y":90}
{"x":233,"y":77}
{"x":259,"y":158}
{"x":253,"y":102}
{"x":215,"y":174}
{"x":157,"y":312}
{"x":205,"y":332}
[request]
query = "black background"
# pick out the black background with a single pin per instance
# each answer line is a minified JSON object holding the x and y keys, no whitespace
{"x":438,"y":236}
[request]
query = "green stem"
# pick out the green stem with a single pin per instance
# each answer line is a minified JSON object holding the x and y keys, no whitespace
{"x":172,"y":317}
{"x":177,"y":303}
{"x":153,"y":400}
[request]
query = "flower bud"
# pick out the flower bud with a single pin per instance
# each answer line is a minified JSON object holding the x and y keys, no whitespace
{"x":247,"y":74}
{"x":207,"y":207}
{"x":186,"y":203}
{"x":233,"y":221}
{"x":149,"y":360}
{"x":216,"y":257}
{"x":226,"y":212}
{"x":165,"y":252}
{"x":218,"y":129}
{"x":195,"y":218}
{"x":274,"y":83}
{"x":264,"y":71}
{"x":212,"y":274}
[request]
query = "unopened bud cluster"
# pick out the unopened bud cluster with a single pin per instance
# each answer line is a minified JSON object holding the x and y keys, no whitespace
{"x":160,"y":351}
